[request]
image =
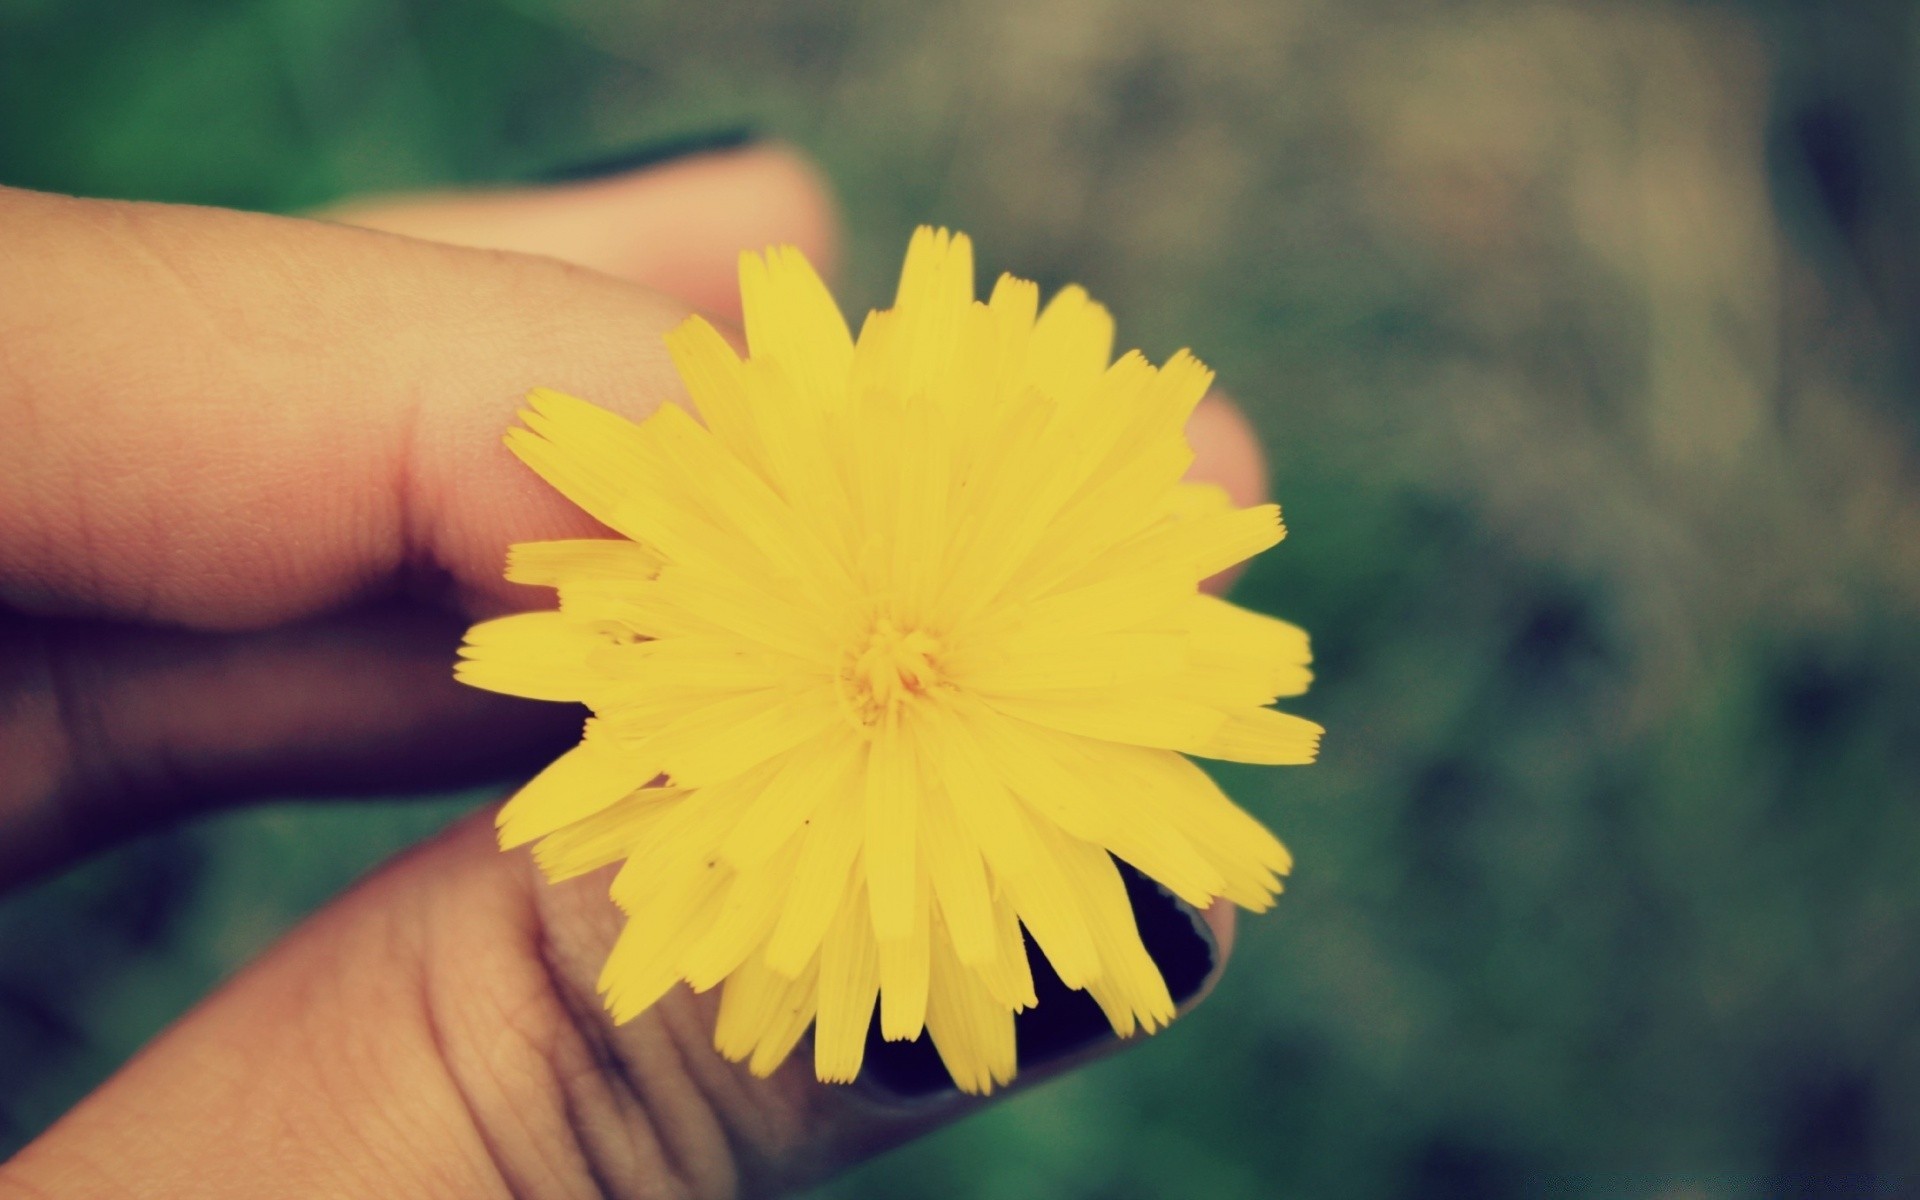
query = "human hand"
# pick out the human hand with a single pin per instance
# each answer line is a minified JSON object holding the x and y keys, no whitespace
{"x":252,"y":491}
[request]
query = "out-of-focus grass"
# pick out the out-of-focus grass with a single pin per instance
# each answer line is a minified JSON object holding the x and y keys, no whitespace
{"x":1579,"y":339}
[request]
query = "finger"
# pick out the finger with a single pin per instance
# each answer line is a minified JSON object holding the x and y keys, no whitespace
{"x":672,"y":226}
{"x":437,"y":1031}
{"x":113,"y":729}
{"x":1226,"y":451}
{"x":226,"y":421}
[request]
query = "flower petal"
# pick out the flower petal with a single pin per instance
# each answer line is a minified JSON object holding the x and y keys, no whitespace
{"x":1072,"y":344}
{"x":645,"y":961}
{"x":1139,"y":718}
{"x":715,"y":379}
{"x":1226,"y":633}
{"x":792,"y":319}
{"x":904,"y":964}
{"x":972,"y":1030}
{"x":807,"y":777}
{"x":821,"y":879}
{"x":1068,"y":780}
{"x":718,"y":741}
{"x":959,"y":877}
{"x":764,"y":1013}
{"x":1247,"y":855}
{"x":589,"y":455}
{"x":741,"y":921}
{"x":849,"y":985}
{"x":580,"y":560}
{"x":1261,"y":735}
{"x":1129,"y":987}
{"x":892,"y":808}
{"x":606,"y":837}
{"x":539,"y":655}
{"x":583,"y":781}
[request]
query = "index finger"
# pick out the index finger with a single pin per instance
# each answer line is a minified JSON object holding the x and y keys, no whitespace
{"x":225,"y":421}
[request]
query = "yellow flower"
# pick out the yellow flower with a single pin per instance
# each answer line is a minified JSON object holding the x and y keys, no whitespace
{"x":901,"y":647}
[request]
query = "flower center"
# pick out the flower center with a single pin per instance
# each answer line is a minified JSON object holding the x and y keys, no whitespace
{"x":894,"y":665}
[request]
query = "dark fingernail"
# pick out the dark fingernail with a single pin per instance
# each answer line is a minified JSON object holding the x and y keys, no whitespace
{"x":652,"y":154}
{"x":1064,"y":1022}
{"x":1176,"y":935}
{"x":903,"y":1070}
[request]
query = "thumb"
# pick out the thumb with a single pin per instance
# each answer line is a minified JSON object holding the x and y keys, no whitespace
{"x":436,"y":1033}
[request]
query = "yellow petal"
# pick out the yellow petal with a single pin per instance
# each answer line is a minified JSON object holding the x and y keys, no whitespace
{"x":1018,"y":664}
{"x":716,"y":600}
{"x":935,"y":292}
{"x":748,"y":1001}
{"x":972,"y":1031}
{"x":580,"y":560}
{"x":1077,"y":785}
{"x":645,"y":961}
{"x":589,"y":455}
{"x":959,"y":878}
{"x":1029,"y":879}
{"x":1202,"y":546}
{"x":1111,"y":603}
{"x":1261,"y":735}
{"x":742,"y":922}
{"x":1129,"y":986}
{"x":828,"y":857}
{"x":1141,"y":718}
{"x":849,"y":984}
{"x":1014,"y":305}
{"x":686,"y":836}
{"x":739,"y":502}
{"x":583,"y":781}
{"x":1246,"y":854}
{"x":1072,"y":344}
{"x":791,"y":319}
{"x":903,"y":970}
{"x":763,"y":1014}
{"x":716,"y":382}
{"x":892,"y":804}
{"x":793,"y":1012}
{"x":606,"y":837}
{"x":1227,"y":637}
{"x":539,"y":655}
{"x":717,"y":741}
{"x":808,"y":777}
{"x":1009,"y":977}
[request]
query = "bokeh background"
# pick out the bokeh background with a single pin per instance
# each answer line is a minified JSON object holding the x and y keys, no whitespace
{"x":1582,"y":338}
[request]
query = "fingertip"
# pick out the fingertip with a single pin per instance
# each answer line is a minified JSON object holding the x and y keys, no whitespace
{"x":679,"y":228}
{"x":798,"y":192}
{"x":1223,"y":919}
{"x":675,"y":227}
{"x":1226,"y":450}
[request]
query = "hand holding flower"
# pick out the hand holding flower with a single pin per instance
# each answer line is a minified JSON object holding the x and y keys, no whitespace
{"x":251,"y":492}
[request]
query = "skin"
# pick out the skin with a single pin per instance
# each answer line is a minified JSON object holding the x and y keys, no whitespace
{"x":251,"y":490}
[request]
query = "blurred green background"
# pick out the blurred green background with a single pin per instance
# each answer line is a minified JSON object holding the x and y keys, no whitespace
{"x":1582,"y":339}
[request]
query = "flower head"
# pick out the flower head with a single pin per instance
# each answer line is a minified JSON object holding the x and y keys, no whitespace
{"x":902,"y":645}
